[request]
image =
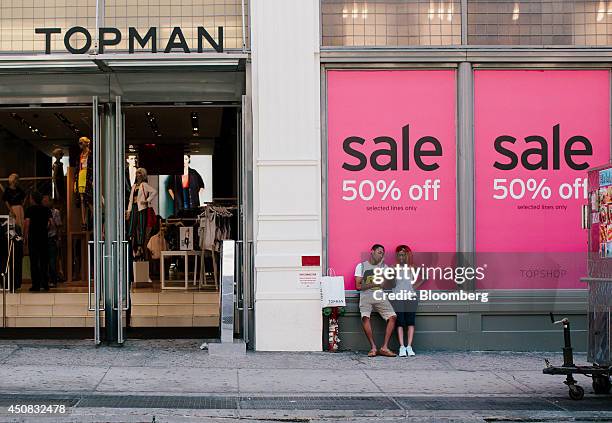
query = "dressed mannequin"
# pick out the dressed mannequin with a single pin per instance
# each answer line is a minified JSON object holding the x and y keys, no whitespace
{"x":140,"y":200}
{"x":130,"y":175}
{"x":131,"y":169}
{"x":83,"y":180}
{"x":59,"y":185}
{"x":185,"y":189}
{"x":14,"y":198}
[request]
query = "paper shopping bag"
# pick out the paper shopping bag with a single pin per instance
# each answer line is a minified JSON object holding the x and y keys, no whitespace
{"x":332,"y":291}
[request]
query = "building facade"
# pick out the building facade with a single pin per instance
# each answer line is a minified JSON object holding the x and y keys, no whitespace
{"x":462,"y":129}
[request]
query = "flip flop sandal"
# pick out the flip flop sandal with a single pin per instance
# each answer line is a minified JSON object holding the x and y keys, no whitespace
{"x":372,"y":353}
{"x":387,"y":353}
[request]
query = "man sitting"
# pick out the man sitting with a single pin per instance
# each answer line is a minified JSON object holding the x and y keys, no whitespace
{"x":364,"y":280}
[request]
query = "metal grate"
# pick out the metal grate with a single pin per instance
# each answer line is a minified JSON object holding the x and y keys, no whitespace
{"x":187,"y":14}
{"x":318,"y":403}
{"x":540,"y":22}
{"x":19,"y":18}
{"x":13,"y":399}
{"x":169,"y":402}
{"x":391,"y":23}
{"x":362,"y":403}
{"x":473,"y":403}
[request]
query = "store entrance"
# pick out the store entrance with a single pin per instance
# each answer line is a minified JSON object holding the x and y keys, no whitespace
{"x":50,"y":221}
{"x":181,"y":188}
{"x":144,"y":204}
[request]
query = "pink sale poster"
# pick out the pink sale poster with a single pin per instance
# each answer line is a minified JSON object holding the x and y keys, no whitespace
{"x":391,"y":165}
{"x":536,"y":132}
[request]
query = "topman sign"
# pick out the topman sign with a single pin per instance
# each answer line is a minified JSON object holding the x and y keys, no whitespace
{"x":108,"y":37}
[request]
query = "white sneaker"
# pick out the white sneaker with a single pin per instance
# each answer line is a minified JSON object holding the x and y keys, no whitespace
{"x":402,"y":352}
{"x":410,"y":351}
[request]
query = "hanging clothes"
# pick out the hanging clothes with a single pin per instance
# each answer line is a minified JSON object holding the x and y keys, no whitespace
{"x":186,"y":189}
{"x":208,"y":230}
{"x":156,"y":245}
{"x":138,"y":214}
{"x":15,"y":197}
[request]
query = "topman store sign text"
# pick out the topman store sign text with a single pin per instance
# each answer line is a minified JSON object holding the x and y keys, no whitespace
{"x":112,"y":36}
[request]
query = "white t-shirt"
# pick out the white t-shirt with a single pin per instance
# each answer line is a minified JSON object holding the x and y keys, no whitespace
{"x":366,"y":270}
{"x":403,"y":284}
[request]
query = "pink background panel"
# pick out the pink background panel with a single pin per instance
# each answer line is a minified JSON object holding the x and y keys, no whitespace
{"x":369,"y":104}
{"x":520,"y":103}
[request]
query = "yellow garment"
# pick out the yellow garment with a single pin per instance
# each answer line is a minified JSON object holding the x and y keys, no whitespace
{"x":82,"y":180}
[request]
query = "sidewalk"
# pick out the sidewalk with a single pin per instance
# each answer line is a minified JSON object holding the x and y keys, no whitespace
{"x":167,"y":371}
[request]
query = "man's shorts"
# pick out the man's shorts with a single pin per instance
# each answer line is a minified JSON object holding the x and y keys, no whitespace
{"x":367,"y":304}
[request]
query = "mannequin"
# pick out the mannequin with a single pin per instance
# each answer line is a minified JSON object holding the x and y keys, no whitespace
{"x":185,"y":189}
{"x":14,"y":198}
{"x":131,"y":173}
{"x":83,"y":181}
{"x":140,"y":200}
{"x":59,"y":185}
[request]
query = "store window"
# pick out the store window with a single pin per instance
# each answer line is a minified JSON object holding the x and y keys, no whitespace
{"x":19,"y":18}
{"x":390,"y":23}
{"x":532,"y":152}
{"x":46,"y":219}
{"x":391,"y":172}
{"x":540,"y":22}
{"x":187,"y":14}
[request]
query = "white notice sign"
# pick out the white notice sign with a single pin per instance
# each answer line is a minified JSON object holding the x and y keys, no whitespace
{"x":309,"y":279}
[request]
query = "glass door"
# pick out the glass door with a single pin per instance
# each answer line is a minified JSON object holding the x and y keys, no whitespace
{"x":111,"y":242}
{"x":121,"y":250}
{"x":52,"y":169}
{"x":96,"y":246}
{"x":245,"y":256}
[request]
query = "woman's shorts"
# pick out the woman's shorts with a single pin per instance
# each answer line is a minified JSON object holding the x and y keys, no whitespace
{"x":405,"y":318}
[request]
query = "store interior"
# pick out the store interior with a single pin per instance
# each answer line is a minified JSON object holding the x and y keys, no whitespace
{"x":181,"y":194}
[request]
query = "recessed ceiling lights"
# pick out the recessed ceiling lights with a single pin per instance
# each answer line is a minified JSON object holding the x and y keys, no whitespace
{"x":195,"y":124}
{"x":67,"y":123}
{"x":24,"y":123}
{"x":153,"y":124}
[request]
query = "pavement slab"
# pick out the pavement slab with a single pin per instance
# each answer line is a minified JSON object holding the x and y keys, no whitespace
{"x":532,"y":382}
{"x":440,"y":382}
{"x":169,"y":379}
{"x":300,"y":381}
{"x":63,"y":356}
{"x":6,"y":351}
{"x":50,"y":378}
{"x":503,"y":361}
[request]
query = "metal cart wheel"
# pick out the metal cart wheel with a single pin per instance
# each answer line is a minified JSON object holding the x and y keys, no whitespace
{"x":601,"y":384}
{"x":576,"y":392}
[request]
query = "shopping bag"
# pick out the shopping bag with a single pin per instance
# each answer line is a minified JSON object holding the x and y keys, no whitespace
{"x":332,"y":291}
{"x":141,"y":271}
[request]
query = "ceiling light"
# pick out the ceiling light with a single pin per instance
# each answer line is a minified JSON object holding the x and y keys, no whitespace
{"x":195,"y":124}
{"x":153,"y":124}
{"x":516,"y":11}
{"x":27,"y":124}
{"x":67,"y":123}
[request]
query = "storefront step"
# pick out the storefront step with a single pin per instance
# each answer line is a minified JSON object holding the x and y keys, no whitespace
{"x":174,"y":321}
{"x":45,"y":298}
{"x":51,"y":322}
{"x":174,"y":309}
